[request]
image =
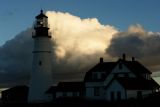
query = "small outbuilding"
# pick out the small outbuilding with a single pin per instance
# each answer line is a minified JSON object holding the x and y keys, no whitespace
{"x":15,"y":94}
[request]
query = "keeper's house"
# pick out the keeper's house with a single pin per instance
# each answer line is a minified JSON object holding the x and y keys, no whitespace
{"x":110,"y":81}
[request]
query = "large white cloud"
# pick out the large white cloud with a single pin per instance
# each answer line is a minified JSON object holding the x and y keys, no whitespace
{"x":78,"y":36}
{"x":77,"y":44}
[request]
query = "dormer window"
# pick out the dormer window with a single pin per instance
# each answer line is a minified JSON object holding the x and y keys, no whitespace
{"x":103,"y":75}
{"x":98,"y":75}
{"x":95,"y":76}
{"x":148,"y":77}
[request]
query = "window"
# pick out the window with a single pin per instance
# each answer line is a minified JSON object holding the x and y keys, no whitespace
{"x":96,"y":91}
{"x":75,"y":94}
{"x":148,"y":77}
{"x":118,"y":95}
{"x":95,"y":76}
{"x":139,"y":95}
{"x":64,"y":94}
{"x":103,"y":75}
{"x":40,"y":63}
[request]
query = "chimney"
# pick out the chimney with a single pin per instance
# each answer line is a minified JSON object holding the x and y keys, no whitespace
{"x":124,"y":57}
{"x":133,"y":59}
{"x":101,"y":60}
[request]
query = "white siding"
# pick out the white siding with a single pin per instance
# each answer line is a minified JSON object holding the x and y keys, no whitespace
{"x":41,"y":75}
{"x":59,"y":94}
{"x":108,"y":79}
{"x":133,"y":93}
{"x":93,"y":84}
{"x":90,"y":93}
{"x":90,"y":90}
{"x":120,"y":72}
{"x":114,"y":87}
{"x":123,"y":70}
{"x":68,"y":94}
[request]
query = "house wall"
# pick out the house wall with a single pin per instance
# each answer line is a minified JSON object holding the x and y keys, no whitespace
{"x":90,"y":90}
{"x":133,"y":93}
{"x":67,"y":94}
{"x":114,"y":87}
{"x":108,"y":79}
{"x":59,"y":94}
{"x":93,"y":84}
{"x":98,"y":75}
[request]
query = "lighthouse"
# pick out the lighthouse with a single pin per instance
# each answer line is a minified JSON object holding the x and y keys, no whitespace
{"x":41,"y":75}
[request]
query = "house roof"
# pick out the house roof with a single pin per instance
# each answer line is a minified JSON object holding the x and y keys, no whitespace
{"x":135,"y":67}
{"x":137,"y":84}
{"x":66,"y":86}
{"x":41,"y":15}
{"x":105,"y":67}
{"x":17,"y":89}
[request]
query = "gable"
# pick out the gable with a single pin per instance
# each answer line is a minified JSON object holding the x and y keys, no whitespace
{"x":123,"y":68}
{"x":114,"y":85}
{"x":99,"y":72}
{"x":122,"y":71}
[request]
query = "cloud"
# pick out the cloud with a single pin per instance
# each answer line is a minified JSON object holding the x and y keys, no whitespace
{"x":78,"y":36}
{"x":137,"y":42}
{"x":77,"y":45}
{"x":15,"y":59}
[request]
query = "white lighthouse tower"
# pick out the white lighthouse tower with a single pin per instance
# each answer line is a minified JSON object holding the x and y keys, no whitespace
{"x":41,"y":76}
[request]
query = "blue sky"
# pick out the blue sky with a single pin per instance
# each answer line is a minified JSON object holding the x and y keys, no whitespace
{"x":18,"y":15}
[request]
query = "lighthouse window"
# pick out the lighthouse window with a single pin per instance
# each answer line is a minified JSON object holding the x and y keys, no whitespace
{"x":40,"y":63}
